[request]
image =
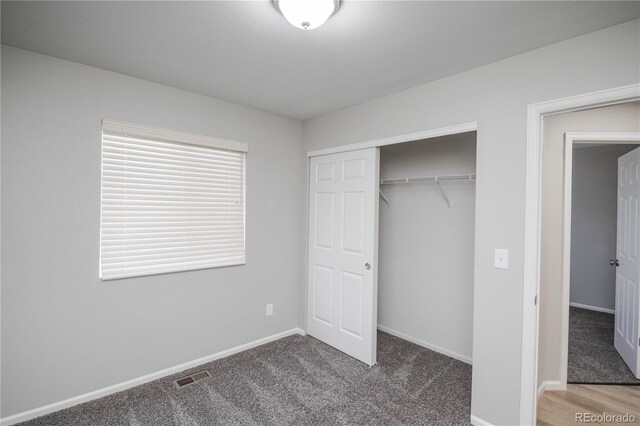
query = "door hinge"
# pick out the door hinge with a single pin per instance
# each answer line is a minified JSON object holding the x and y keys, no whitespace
{"x":535,"y":300}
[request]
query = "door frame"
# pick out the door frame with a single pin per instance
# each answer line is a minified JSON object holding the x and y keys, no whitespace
{"x":533,"y":197}
{"x":609,"y":138}
{"x":375,"y":143}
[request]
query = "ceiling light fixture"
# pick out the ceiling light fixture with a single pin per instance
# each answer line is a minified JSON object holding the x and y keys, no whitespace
{"x":307,"y":14}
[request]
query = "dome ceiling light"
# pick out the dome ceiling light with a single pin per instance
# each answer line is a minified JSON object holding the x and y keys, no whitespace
{"x":307,"y":14}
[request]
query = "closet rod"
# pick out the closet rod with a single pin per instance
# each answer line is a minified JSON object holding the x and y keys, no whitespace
{"x":447,"y":178}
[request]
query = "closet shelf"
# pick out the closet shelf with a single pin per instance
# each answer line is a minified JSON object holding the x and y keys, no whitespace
{"x":448,"y":178}
{"x":422,"y":179}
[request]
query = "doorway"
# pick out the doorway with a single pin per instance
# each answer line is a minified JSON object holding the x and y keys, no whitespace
{"x":555,"y":237}
{"x":398,"y":295}
{"x":599,"y":273}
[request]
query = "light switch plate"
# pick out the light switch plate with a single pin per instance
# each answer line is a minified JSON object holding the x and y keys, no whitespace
{"x":501,"y":259}
{"x":270,"y":309}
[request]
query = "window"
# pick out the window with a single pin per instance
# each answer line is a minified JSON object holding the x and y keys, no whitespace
{"x":170,"y":201}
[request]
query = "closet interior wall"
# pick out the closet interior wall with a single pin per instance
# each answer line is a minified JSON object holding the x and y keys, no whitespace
{"x":426,"y":249}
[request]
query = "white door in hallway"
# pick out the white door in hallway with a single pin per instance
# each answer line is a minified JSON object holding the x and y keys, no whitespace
{"x":627,"y":320}
{"x":342,"y":282}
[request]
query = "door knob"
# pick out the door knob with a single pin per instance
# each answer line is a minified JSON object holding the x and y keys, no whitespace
{"x":615,"y":262}
{"x":367,"y":266}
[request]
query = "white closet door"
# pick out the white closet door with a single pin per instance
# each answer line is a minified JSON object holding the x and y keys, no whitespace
{"x":628,"y":269}
{"x":342,"y":283}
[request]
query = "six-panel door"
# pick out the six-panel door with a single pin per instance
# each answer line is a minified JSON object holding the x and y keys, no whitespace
{"x":627,"y":320}
{"x":342,"y":270}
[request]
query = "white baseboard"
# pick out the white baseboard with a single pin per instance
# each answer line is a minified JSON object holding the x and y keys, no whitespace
{"x":477,"y":421}
{"x":550,"y":385}
{"x":56,"y":406}
{"x":592,"y":308}
{"x":427,"y":345}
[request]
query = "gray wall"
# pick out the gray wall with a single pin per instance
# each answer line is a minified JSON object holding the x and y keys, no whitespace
{"x":496,"y":96}
{"x":425,"y":275}
{"x":614,"y":118}
{"x":594,"y":223}
{"x":64,"y":332}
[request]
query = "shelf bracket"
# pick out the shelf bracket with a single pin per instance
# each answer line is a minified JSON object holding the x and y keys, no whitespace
{"x":444,"y":194}
{"x":383,"y":197}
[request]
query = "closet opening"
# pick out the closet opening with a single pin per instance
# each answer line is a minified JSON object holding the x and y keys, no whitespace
{"x":391,"y":265}
{"x":426,"y":244}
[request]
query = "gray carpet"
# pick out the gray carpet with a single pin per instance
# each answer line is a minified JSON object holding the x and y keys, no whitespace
{"x":296,"y":381}
{"x":592,"y":357}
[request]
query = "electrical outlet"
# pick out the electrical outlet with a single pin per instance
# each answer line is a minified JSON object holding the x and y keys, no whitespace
{"x":270,"y":309}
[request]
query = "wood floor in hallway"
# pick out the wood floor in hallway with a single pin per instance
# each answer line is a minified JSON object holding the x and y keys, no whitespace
{"x":589,"y":401}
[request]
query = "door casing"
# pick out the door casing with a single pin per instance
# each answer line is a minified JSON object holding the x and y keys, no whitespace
{"x":529,"y":390}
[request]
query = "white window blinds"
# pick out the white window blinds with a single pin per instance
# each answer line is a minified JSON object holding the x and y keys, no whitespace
{"x":170,"y":201}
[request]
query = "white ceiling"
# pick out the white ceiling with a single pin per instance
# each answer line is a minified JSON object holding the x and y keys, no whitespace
{"x":245,"y":52}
